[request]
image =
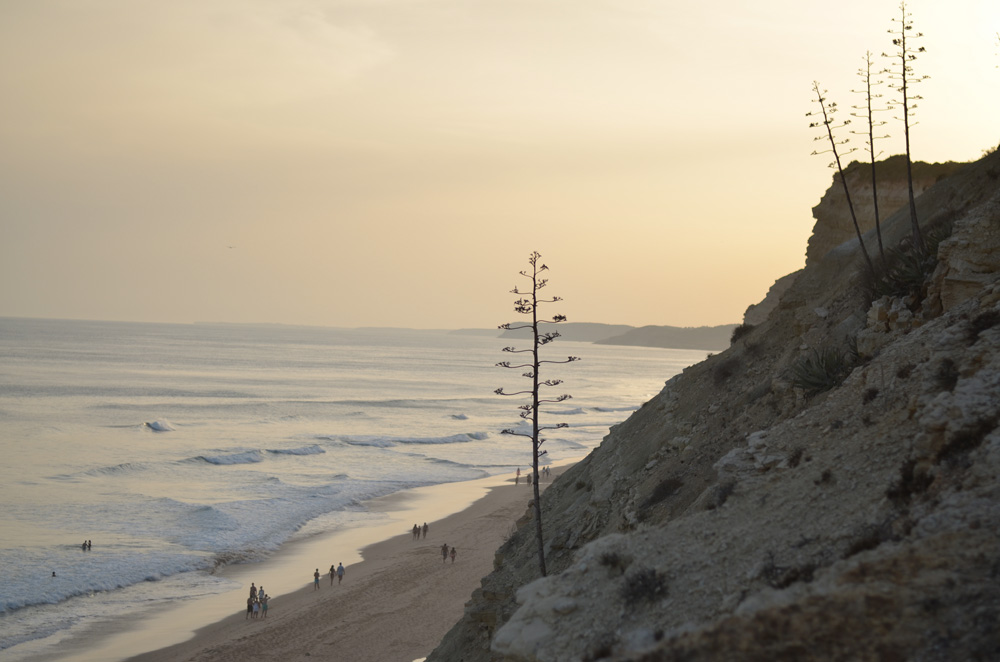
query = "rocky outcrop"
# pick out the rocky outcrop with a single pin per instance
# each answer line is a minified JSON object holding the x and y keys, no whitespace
{"x":743,"y":514}
{"x":833,"y":218}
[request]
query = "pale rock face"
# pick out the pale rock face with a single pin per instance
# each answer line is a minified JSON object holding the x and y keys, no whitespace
{"x":834,"y":225}
{"x":969,"y":260}
{"x":791,"y":543}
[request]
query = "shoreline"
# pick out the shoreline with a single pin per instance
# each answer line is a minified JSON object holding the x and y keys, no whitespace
{"x":411,"y":583}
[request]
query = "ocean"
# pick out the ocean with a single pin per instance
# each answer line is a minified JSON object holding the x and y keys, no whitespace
{"x":177,"y":449}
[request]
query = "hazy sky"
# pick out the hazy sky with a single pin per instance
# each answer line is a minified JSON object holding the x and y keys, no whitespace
{"x":394,"y":162}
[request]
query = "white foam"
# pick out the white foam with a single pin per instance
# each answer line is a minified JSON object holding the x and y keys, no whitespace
{"x":159,"y":426}
{"x":246,"y":457}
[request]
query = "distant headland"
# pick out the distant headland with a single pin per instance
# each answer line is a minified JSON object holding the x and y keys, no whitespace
{"x":672,"y":337}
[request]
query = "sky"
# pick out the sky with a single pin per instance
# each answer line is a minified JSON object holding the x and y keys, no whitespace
{"x":394,"y":162}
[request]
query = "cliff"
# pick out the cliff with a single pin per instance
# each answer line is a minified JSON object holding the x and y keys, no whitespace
{"x":833,"y":218}
{"x":745,"y":514}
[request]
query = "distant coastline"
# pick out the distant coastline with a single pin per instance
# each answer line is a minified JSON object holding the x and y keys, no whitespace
{"x":664,"y":337}
{"x":709,"y":338}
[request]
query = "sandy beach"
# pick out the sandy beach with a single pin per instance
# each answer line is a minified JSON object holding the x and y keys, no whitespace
{"x":395,"y":604}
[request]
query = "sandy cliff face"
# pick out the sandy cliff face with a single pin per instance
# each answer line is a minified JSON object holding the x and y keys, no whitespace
{"x":737,"y":517}
{"x":833,"y":217}
{"x":834,"y":226}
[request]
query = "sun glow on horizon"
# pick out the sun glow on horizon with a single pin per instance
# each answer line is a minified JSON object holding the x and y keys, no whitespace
{"x":391,"y":163}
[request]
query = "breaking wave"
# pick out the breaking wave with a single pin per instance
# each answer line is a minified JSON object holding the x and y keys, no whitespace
{"x":305,"y":450}
{"x":159,"y":426}
{"x":246,"y":457}
{"x":389,"y":442}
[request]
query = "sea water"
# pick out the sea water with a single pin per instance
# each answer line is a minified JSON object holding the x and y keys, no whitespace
{"x":179,"y":448}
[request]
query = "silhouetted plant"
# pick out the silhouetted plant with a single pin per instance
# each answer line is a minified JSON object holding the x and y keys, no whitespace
{"x":903,"y":79}
{"x":821,"y":369}
{"x":739,"y":332}
{"x":827,"y":111}
{"x":528,"y":304}
{"x":869,"y":111}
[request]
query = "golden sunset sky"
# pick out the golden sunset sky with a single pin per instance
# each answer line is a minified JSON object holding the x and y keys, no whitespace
{"x":394,"y":162}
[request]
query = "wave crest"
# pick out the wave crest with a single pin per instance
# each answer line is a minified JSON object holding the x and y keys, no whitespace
{"x":305,"y":450}
{"x":246,"y":457}
{"x":389,"y":442}
{"x":159,"y":426}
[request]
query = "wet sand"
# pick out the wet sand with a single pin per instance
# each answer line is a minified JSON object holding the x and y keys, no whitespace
{"x":394,"y":605}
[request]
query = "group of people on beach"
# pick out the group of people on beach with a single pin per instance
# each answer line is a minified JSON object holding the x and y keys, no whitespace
{"x":86,"y":545}
{"x":335,"y":571}
{"x":542,"y":473}
{"x":257,"y":602}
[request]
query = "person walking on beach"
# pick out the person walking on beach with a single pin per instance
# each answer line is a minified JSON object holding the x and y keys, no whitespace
{"x":425,"y":529}
{"x":253,"y":591}
{"x":333,"y":571}
{"x":256,"y":608}
{"x":517,"y":476}
{"x":263,"y":606}
{"x":444,"y":552}
{"x":416,"y":532}
{"x":316,"y":580}
{"x":453,"y":552}
{"x":340,"y":573}
{"x":249,"y":608}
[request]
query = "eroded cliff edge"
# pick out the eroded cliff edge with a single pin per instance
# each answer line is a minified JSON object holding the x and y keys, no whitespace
{"x":737,"y":517}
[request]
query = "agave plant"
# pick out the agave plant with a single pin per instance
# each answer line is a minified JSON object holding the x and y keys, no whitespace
{"x":821,"y":370}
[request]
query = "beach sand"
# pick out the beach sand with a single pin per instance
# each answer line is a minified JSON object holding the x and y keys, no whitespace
{"x":394,"y":605}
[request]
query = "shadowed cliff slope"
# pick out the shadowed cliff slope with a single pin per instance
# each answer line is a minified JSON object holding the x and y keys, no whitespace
{"x":739,"y":516}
